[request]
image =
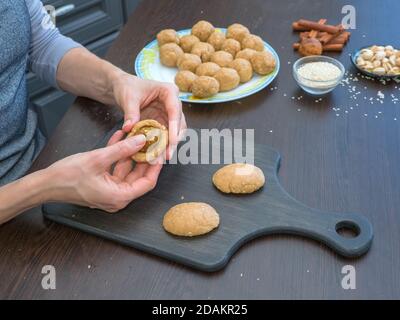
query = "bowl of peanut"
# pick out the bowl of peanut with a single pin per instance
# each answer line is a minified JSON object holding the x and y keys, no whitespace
{"x":378,"y":61}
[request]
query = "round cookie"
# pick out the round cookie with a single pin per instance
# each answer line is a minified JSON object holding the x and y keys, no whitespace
{"x":202,"y":30}
{"x":263,"y":62}
{"x":207,"y":69}
{"x":216,"y":39}
{"x":245,"y":54}
{"x":237,"y":31}
{"x":204,"y":50}
{"x":204,"y":87}
{"x":254,"y":42}
{"x":184,"y":80}
{"x":221,"y":58}
{"x":228,"y":79}
{"x":169,"y":54}
{"x":188,"y":61}
{"x":187,"y":42}
{"x":190,"y":219}
{"x":232,"y":46}
{"x":243,"y":68}
{"x":167,"y":36}
{"x":239,"y":178}
{"x":156,"y":140}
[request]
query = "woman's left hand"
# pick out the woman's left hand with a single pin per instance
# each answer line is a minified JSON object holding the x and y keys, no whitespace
{"x":146,"y":99}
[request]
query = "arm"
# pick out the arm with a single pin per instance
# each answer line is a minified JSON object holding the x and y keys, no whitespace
{"x":85,"y":179}
{"x":84,"y":74}
{"x":24,"y":194}
{"x":63,"y":63}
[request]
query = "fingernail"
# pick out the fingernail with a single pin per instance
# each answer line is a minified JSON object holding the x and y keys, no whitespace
{"x":139,"y":139}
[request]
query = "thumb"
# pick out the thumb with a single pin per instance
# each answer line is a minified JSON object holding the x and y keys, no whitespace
{"x":131,"y":115}
{"x":123,"y":149}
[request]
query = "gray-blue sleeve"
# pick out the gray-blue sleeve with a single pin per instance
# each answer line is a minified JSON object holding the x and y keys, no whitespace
{"x":48,"y":46}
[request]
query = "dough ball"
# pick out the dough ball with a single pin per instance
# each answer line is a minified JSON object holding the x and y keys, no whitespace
{"x":189,"y":61}
{"x":216,"y":39}
{"x":239,"y":178}
{"x":204,"y":87}
{"x":232,"y":46}
{"x":156,"y":140}
{"x":263,"y":62}
{"x":228,"y":79}
{"x":237,"y":31}
{"x":221,"y":58}
{"x":187,"y":42}
{"x":203,"y":50}
{"x":169,"y":54}
{"x":254,"y":42}
{"x":190,"y":219}
{"x":202,"y":30}
{"x":245,"y":54}
{"x":207,"y":69}
{"x":310,"y":47}
{"x":243,"y":68}
{"x":167,"y":36}
{"x":184,"y":80}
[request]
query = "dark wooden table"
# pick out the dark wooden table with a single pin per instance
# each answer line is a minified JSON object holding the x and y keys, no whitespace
{"x":338,"y":160}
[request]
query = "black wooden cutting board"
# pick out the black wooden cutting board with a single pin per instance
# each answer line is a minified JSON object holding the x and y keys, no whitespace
{"x":242,"y":218}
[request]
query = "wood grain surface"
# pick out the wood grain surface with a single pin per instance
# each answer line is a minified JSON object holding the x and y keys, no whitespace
{"x":332,"y":160}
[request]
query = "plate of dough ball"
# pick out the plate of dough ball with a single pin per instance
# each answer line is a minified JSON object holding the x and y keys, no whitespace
{"x":209,"y":64}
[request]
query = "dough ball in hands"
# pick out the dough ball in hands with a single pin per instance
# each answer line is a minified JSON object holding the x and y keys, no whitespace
{"x":254,"y":42}
{"x":227,"y":78}
{"x":237,"y":31}
{"x":207,"y":69}
{"x":202,"y":30}
{"x":245,"y":54}
{"x":188,"y":61}
{"x":239,"y":178}
{"x":243,"y":68}
{"x":190,"y":219}
{"x":156,"y":140}
{"x":187,"y":42}
{"x":167,"y":36}
{"x":204,"y":87}
{"x":204,"y":50}
{"x":170,"y":54}
{"x":216,"y":39}
{"x":221,"y":58}
{"x":263,"y":62}
{"x":232,"y":46}
{"x":184,"y":80}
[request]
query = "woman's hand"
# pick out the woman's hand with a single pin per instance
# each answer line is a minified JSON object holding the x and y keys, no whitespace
{"x":145,"y":99}
{"x":88,"y":179}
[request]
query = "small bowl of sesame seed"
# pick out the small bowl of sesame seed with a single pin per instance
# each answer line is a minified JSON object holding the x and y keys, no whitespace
{"x":318,"y":75}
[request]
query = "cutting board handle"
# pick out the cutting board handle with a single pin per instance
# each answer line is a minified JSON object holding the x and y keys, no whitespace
{"x":349,"y":246}
{"x":324,"y":226}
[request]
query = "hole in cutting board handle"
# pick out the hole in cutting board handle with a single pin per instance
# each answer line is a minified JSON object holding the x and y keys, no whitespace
{"x":347,"y":229}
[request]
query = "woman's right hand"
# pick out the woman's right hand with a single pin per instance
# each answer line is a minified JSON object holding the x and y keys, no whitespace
{"x":88,"y":179}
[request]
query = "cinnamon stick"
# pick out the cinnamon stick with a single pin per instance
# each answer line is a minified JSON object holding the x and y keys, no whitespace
{"x":314,"y":33}
{"x":297,"y":27}
{"x":342,"y":38}
{"x":327,"y":37}
{"x":333,"y":47}
{"x":311,"y":25}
